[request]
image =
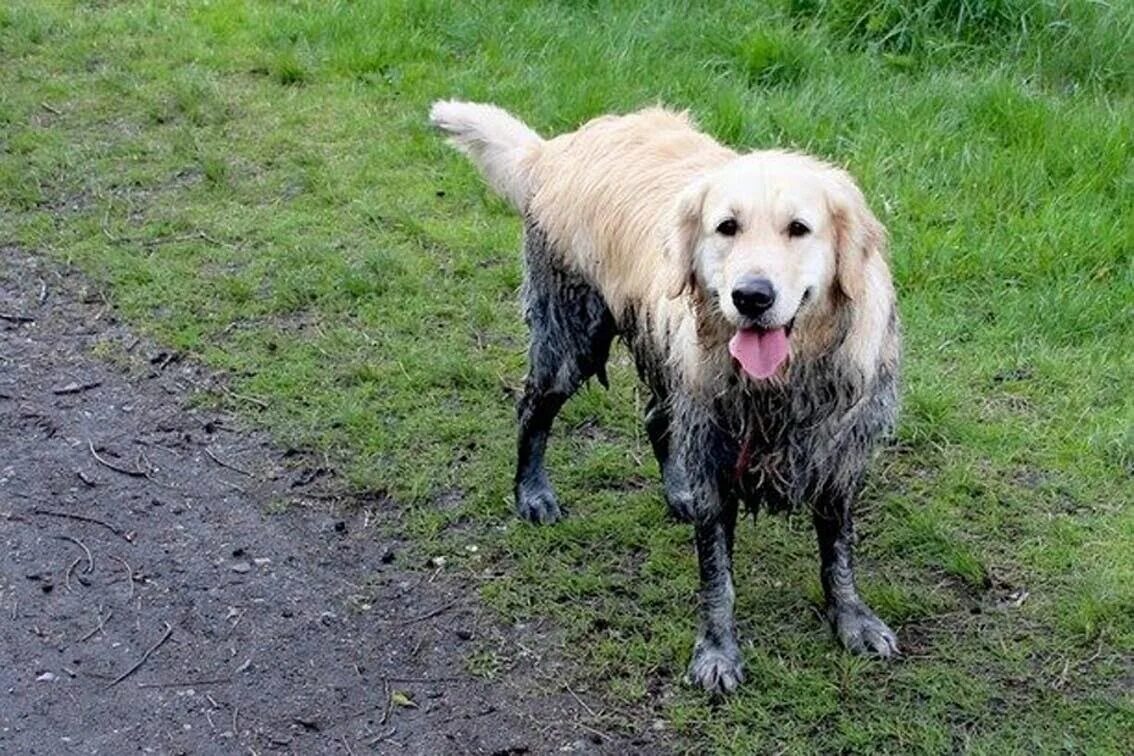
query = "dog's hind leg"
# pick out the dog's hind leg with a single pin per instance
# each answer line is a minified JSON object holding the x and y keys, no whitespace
{"x":856,"y":626}
{"x":535,"y":499}
{"x":678,"y":497}
{"x":571,"y":334}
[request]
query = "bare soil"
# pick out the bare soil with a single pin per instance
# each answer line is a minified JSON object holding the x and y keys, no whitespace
{"x":171,"y":582}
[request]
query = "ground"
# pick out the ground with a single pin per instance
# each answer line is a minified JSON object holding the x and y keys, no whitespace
{"x":254,"y":189}
{"x":266,"y":609}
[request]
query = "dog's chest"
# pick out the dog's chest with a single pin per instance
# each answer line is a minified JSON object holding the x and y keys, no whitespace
{"x":784,"y":437}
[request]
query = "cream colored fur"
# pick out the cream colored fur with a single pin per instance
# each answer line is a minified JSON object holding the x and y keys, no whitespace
{"x":632,"y":203}
{"x":497,"y":142}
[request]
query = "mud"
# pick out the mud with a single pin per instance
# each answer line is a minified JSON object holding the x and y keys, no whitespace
{"x":171,"y":582}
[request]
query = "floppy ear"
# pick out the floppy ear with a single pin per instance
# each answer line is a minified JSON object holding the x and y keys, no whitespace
{"x":685,"y":226}
{"x":858,"y":235}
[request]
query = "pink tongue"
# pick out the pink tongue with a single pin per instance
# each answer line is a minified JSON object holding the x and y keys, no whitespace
{"x":760,"y":352}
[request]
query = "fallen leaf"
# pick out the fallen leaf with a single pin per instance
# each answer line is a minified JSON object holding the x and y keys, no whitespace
{"x":401,"y":699}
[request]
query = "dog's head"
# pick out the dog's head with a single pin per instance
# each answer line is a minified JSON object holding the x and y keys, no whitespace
{"x":774,"y":242}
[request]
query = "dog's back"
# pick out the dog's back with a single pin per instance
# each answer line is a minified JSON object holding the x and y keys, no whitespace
{"x":604,"y":194}
{"x":600,"y":194}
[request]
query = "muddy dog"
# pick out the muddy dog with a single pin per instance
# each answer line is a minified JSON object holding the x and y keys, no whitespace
{"x":754,"y":294}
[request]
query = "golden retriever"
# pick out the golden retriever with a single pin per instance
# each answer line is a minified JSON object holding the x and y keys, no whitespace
{"x":754,"y":294}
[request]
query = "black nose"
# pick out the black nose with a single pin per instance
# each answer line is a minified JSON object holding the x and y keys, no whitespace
{"x":753,"y":296}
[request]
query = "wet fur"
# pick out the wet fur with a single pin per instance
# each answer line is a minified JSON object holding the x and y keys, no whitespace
{"x":596,"y":267}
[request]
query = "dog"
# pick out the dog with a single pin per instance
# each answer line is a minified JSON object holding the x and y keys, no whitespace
{"x":754,"y":293}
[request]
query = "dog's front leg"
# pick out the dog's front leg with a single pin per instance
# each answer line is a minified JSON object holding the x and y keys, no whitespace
{"x":855,"y":624}
{"x":716,"y":664}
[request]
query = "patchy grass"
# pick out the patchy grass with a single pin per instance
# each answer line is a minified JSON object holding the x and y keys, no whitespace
{"x":255,"y":185}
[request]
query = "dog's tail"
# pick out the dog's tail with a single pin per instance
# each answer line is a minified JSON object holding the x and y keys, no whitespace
{"x":499,"y":144}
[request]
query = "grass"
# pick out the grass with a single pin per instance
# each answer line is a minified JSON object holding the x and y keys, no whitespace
{"x":255,"y":185}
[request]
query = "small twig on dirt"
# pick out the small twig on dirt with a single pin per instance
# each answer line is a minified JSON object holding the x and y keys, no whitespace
{"x":596,"y":733}
{"x":75,"y":388}
{"x":68,"y":571}
{"x":379,"y":738}
{"x":50,"y":109}
{"x":235,"y":711}
{"x":85,"y":478}
{"x":129,"y":574}
{"x":125,"y":471}
{"x":83,"y":546}
{"x":346,"y":745}
{"x":428,"y":615}
{"x":134,"y":668}
{"x":101,"y":624}
{"x":429,"y":680}
{"x":389,"y":701}
{"x":137,"y":472}
{"x":14,"y":318}
{"x":83,"y":518}
{"x":222,"y":463}
{"x":42,"y":291}
{"x":186,"y":684}
{"x":581,"y":702}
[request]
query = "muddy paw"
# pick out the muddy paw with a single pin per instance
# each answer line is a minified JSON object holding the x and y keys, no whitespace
{"x":861,"y":632}
{"x":715,"y":668}
{"x":537,"y":503}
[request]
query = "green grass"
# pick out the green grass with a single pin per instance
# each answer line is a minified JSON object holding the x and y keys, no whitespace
{"x":255,"y":184}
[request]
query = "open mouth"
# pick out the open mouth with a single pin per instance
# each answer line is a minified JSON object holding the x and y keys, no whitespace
{"x":761,"y":351}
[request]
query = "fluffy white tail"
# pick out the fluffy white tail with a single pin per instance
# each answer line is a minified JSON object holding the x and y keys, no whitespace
{"x":495,"y":141}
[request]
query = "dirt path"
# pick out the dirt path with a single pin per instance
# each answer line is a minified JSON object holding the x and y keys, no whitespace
{"x":159,"y":598}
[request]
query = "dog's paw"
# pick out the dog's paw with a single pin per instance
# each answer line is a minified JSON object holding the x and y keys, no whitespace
{"x":537,"y":503}
{"x":861,"y":632}
{"x":715,"y":668}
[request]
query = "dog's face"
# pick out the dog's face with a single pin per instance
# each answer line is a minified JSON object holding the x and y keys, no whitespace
{"x":769,"y":239}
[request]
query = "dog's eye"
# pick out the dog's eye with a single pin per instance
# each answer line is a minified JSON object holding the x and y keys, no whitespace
{"x":797,"y":228}
{"x":727,"y":227}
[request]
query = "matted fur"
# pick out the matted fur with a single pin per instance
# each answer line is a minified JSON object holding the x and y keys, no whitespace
{"x":619,"y":240}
